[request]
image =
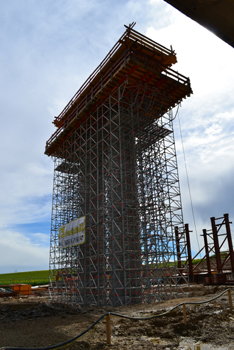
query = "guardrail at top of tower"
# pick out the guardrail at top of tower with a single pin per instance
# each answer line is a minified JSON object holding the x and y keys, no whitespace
{"x":166,"y":56}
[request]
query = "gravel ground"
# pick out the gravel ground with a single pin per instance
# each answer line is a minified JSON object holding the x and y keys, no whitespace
{"x":33,"y":322}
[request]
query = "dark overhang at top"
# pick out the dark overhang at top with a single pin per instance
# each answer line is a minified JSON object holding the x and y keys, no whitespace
{"x":215,"y":15}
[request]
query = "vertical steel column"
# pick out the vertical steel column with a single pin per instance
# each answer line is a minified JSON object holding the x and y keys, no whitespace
{"x":229,"y":237}
{"x":207,"y":251}
{"x":189,"y":250}
{"x":178,"y":246}
{"x":216,"y":245}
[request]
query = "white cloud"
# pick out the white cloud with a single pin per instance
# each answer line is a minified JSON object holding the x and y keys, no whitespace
{"x":40,"y":238}
{"x":17,"y":252}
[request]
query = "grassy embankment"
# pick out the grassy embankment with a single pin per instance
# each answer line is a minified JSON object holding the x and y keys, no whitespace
{"x":32,"y":277}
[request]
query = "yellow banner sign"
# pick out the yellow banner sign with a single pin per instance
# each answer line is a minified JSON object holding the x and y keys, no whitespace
{"x":72,"y":233}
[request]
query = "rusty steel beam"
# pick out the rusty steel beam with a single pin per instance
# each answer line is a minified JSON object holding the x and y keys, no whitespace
{"x":178,"y":247}
{"x":207,"y":251}
{"x":216,"y":245}
{"x":229,"y":237}
{"x":189,"y":249}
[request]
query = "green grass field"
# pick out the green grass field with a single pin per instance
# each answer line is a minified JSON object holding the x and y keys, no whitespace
{"x":42,"y":277}
{"x":32,"y":277}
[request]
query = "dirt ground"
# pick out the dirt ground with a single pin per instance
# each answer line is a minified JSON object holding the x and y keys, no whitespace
{"x":30,"y":321}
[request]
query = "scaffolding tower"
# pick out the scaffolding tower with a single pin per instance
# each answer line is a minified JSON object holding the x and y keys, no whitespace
{"x":115,"y":168}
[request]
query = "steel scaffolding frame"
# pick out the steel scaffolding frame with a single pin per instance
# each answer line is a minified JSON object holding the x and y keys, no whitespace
{"x":117,"y":167}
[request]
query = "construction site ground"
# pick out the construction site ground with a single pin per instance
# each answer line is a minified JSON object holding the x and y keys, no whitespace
{"x":31,"y":321}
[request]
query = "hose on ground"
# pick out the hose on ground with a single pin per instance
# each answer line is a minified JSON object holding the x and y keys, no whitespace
{"x":57,"y":346}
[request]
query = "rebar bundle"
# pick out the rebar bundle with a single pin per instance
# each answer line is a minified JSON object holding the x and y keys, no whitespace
{"x":116,"y":168}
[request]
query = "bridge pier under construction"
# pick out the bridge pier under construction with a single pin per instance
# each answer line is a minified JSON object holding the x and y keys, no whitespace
{"x":116,"y":194}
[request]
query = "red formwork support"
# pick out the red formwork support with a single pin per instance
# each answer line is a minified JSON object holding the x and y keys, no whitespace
{"x":189,"y":250}
{"x":178,"y":247}
{"x":216,"y":245}
{"x":217,"y":268}
{"x":207,"y":251}
{"x":229,"y":237}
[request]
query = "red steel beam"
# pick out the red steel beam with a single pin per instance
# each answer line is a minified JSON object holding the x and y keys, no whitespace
{"x":229,"y":237}
{"x":207,"y":251}
{"x":189,"y":249}
{"x":216,"y":245}
{"x":178,"y":246}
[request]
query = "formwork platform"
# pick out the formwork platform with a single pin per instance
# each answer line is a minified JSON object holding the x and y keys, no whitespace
{"x":116,"y":169}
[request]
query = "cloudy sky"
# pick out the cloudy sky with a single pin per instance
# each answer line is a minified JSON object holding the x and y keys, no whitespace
{"x":48,"y":49}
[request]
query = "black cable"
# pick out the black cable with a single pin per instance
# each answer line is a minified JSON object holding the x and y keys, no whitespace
{"x":61,"y":344}
{"x":168,"y":311}
{"x":117,"y":315}
{"x":190,"y":195}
